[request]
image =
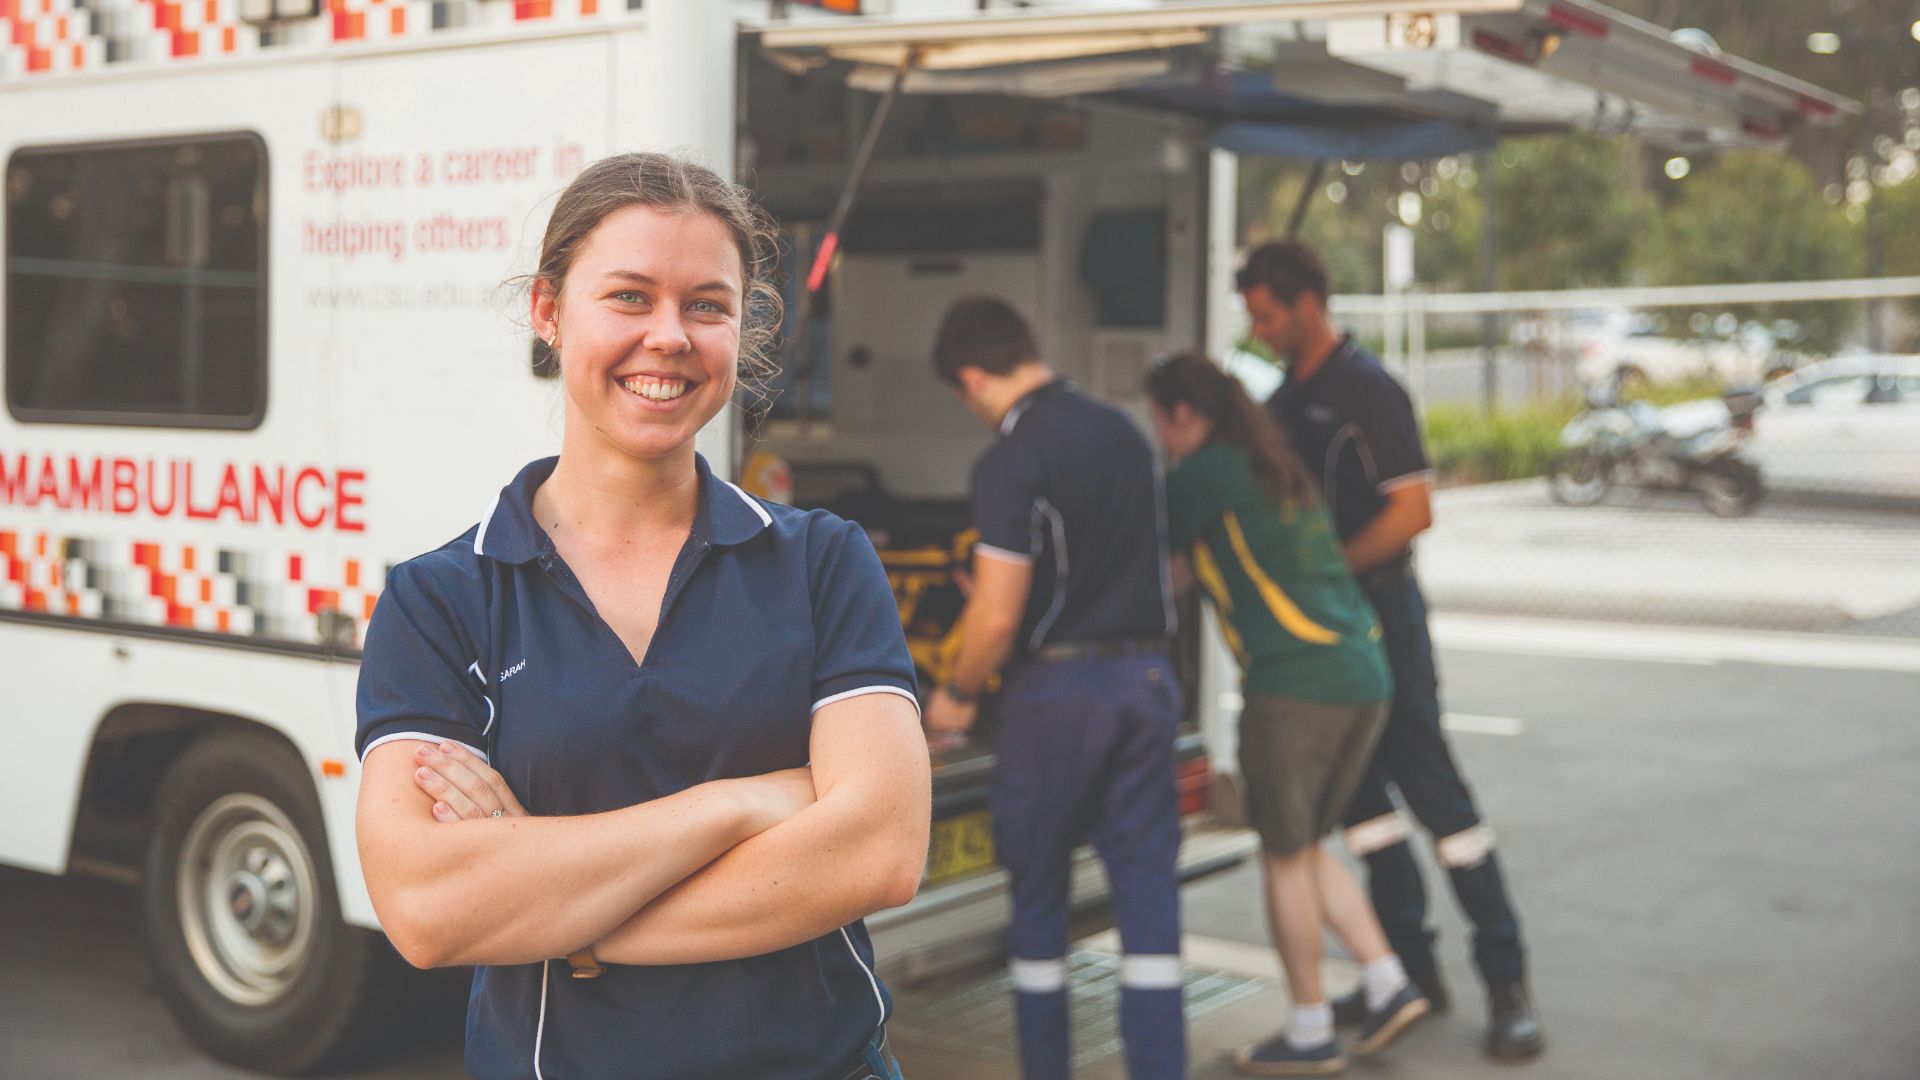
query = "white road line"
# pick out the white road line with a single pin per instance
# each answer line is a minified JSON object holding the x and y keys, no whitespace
{"x":1673,"y":645}
{"x":1483,"y":725}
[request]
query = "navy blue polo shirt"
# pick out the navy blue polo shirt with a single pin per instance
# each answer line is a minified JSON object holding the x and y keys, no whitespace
{"x":1072,"y":488}
{"x":770,"y":613}
{"x":1353,"y":425}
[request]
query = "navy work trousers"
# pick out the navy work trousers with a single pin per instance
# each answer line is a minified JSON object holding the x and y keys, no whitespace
{"x":1085,"y":753}
{"x":1413,"y":758}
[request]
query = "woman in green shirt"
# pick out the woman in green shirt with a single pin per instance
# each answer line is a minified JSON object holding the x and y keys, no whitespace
{"x":1247,"y":516}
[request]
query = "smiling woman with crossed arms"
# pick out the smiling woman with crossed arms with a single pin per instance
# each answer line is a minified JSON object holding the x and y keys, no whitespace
{"x":586,"y":723}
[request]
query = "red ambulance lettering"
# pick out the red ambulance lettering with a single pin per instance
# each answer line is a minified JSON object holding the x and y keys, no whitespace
{"x":345,"y":501}
{"x":83,"y":488}
{"x":125,"y":498}
{"x":272,"y":489}
{"x":299,"y":503}
{"x":13,"y":485}
{"x":153,"y":492}
{"x":313,"y":497}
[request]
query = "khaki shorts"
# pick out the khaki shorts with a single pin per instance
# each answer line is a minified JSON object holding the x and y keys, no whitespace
{"x":1301,"y":762}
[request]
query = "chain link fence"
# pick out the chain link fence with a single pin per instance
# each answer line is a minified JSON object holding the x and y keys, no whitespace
{"x":1721,"y":455}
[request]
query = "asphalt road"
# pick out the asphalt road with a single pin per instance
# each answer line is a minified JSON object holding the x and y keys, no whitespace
{"x":1795,"y":563}
{"x":1714,"y":859}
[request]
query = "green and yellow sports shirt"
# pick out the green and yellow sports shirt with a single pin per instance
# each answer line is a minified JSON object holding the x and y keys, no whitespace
{"x":1287,"y":602}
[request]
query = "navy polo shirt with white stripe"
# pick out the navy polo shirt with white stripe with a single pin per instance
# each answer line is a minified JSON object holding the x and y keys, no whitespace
{"x":770,"y":613}
{"x":1071,"y":487}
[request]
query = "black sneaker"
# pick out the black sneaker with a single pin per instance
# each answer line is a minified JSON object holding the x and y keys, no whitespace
{"x":1513,"y":1028}
{"x":1278,"y":1057}
{"x":1391,"y":1022}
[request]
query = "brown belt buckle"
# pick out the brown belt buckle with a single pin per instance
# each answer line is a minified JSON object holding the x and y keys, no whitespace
{"x":586,"y":965}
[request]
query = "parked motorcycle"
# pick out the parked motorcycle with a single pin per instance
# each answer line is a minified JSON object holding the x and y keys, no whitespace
{"x":1694,"y":446}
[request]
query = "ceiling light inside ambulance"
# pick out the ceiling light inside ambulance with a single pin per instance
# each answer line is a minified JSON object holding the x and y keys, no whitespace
{"x":1057,"y":79}
{"x":1002,"y":52}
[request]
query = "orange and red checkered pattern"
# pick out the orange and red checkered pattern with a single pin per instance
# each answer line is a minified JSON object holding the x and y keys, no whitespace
{"x":287,"y":597}
{"x":51,"y":36}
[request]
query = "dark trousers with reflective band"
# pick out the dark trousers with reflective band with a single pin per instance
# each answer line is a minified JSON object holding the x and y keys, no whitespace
{"x":1085,"y":753}
{"x":1413,"y":758}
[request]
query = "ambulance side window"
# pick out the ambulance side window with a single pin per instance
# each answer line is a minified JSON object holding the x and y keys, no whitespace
{"x":136,"y":283}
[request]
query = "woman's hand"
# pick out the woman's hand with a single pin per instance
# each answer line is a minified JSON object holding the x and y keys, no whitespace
{"x":463,"y":787}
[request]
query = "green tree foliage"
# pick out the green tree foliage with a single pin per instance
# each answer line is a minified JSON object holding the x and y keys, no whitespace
{"x":1751,"y":217}
{"x":1758,"y":217}
{"x":1901,"y":207}
{"x":1569,"y":217}
{"x":1568,"y":213}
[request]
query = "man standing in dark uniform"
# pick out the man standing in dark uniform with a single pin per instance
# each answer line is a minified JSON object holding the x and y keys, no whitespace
{"x":1354,"y":426}
{"x":1072,"y":605}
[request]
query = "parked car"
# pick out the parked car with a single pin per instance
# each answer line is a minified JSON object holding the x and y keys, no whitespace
{"x":1635,"y":349}
{"x":1846,"y":425}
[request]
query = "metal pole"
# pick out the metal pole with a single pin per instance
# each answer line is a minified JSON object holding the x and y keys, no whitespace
{"x":1489,"y":321}
{"x":830,"y":243}
{"x":1299,"y":215}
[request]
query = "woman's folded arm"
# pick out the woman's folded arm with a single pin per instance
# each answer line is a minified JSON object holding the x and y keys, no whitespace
{"x":861,"y":847}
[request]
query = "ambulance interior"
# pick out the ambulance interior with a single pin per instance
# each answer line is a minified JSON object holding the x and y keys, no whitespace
{"x":1088,"y":220}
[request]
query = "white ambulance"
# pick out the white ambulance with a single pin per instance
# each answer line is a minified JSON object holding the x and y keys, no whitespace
{"x":257,"y":350}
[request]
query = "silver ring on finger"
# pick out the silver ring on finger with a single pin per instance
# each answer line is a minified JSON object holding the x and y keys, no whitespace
{"x":495,"y":813}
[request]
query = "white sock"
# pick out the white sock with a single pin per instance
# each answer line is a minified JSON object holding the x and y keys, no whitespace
{"x":1383,"y":978}
{"x":1311,"y":1026}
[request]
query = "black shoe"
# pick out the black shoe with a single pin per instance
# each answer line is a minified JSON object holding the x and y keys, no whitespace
{"x":1391,"y":1022}
{"x":1351,"y":1010}
{"x":1278,"y":1057}
{"x":1513,"y":1028}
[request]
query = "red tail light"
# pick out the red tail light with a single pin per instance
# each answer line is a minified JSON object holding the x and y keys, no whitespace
{"x":1194,"y":780}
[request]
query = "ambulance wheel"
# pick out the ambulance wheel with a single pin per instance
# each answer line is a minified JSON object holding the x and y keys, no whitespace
{"x":242,"y":920}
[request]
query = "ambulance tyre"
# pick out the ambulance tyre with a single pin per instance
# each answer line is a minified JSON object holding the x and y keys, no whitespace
{"x":242,"y":920}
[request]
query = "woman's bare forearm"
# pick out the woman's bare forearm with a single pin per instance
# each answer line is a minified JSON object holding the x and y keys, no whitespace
{"x":791,"y":884}
{"x":519,"y":890}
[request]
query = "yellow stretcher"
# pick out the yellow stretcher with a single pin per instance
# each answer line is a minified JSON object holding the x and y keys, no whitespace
{"x":926,"y":586}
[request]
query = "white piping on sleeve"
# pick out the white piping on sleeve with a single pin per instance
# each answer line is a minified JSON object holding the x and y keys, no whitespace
{"x":765,"y":518}
{"x":864,"y":690}
{"x":1423,"y":476}
{"x":878,"y":999}
{"x":420,"y":736}
{"x":1003,"y":554}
